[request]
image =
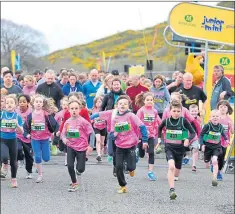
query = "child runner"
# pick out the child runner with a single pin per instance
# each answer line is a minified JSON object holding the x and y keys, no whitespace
{"x":176,"y":139}
{"x":39,"y":127}
{"x":99,"y":128}
{"x":75,"y":134}
{"x":10,"y":122}
{"x":125,"y":128}
{"x":149,"y":116}
{"x":226,"y":121}
{"x":24,"y":109}
{"x":29,"y":85}
{"x":211,"y":142}
{"x":59,"y":117}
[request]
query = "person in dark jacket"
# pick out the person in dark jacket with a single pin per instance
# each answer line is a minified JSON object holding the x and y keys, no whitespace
{"x":73,"y":85}
{"x":110,"y":99}
{"x":50,"y":88}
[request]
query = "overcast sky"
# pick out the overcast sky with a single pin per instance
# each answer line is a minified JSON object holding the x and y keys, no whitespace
{"x":65,"y":24}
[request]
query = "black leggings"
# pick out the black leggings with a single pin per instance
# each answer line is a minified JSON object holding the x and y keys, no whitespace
{"x":28,"y":154}
{"x":221,"y":157}
{"x":81,"y":162}
{"x":9,"y":150}
{"x":150,"y":150}
{"x":128,"y":155}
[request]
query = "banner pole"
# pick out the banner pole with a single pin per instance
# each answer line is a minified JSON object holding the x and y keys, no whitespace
{"x":205,"y":67}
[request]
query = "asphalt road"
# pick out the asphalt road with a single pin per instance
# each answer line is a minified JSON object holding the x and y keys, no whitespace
{"x":97,"y":193}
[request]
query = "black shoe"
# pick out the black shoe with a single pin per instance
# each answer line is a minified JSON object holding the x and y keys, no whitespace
{"x":114,"y":172}
{"x":98,"y":158}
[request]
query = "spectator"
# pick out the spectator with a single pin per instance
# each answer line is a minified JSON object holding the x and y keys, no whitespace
{"x":21,"y":82}
{"x":174,"y":76}
{"x":18,"y":74}
{"x":222,"y":87}
{"x":115,"y":73}
{"x":135,"y":89}
{"x":90,"y":87}
{"x":62,"y":70}
{"x":50,"y":89}
{"x":63,"y":80}
{"x":37,"y":75}
{"x":101,"y":76}
{"x":148,"y":83}
{"x":177,"y":83}
{"x":82,"y":78}
{"x":161,"y":94}
{"x":42,"y":80}
{"x":193,"y":93}
{"x":142,"y":79}
{"x":124,"y":77}
{"x":106,"y":87}
{"x":8,"y":83}
{"x":73,"y":85}
{"x":30,"y":87}
{"x":110,"y":99}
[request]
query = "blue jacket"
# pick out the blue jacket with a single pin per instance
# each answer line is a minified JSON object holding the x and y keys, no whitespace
{"x":161,"y":98}
{"x":89,"y":91}
{"x":67,"y":88}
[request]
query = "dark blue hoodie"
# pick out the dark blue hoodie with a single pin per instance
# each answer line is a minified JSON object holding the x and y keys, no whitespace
{"x":67,"y":88}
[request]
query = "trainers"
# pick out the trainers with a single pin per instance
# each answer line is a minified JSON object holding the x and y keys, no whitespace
{"x":219,"y":176}
{"x":132,"y":173}
{"x":214,"y":182}
{"x":194,"y":169}
{"x":151,"y":176}
{"x":185,"y":161}
{"x":28,"y":176}
{"x":74,"y":187}
{"x":122,"y":190}
{"x":20,"y":163}
{"x":158,"y":150}
{"x":98,"y":158}
{"x":4,"y":171}
{"x":114,"y":172}
{"x":172,"y":194}
{"x":176,"y":179}
{"x":78,"y":173}
{"x":39,"y":179}
{"x":110,"y":159}
{"x":13,"y":183}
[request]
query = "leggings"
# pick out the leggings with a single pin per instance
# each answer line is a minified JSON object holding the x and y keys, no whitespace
{"x":130,"y":156}
{"x":28,"y":154}
{"x":81,"y":162}
{"x":221,"y":157}
{"x":150,"y":150}
{"x":41,"y":150}
{"x":9,"y":150}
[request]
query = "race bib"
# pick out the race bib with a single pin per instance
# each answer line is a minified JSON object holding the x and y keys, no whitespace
{"x":92,"y":94}
{"x":158,"y":100}
{"x":38,"y":127}
{"x":122,"y":127}
{"x":73,"y":133}
{"x":175,"y":134}
{"x":213,"y":137}
{"x":97,"y":121}
{"x":9,"y":124}
{"x":149,"y":117}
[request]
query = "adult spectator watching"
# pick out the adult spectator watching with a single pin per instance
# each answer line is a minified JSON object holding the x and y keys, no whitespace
{"x":90,"y":87}
{"x":64,"y":78}
{"x":192,"y":93}
{"x":2,"y":71}
{"x":106,"y":86}
{"x":110,"y":99}
{"x":37,"y":75}
{"x":8,"y":83}
{"x":135,"y":89}
{"x":177,"y":83}
{"x":115,"y":73}
{"x":222,"y":87}
{"x":73,"y":85}
{"x":174,"y":76}
{"x":50,"y":89}
{"x":82,"y":78}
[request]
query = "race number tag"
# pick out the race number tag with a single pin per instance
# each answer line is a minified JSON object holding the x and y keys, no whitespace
{"x":38,"y":127}
{"x":73,"y":133}
{"x":158,"y":100}
{"x":9,"y":124}
{"x":149,"y":117}
{"x":98,"y":121}
{"x":174,"y":135}
{"x":213,"y":137}
{"x":122,"y":127}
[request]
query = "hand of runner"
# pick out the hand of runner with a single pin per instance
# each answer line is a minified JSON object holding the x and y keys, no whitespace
{"x":186,"y":143}
{"x":65,"y":141}
{"x":28,"y":136}
{"x":145,"y":146}
{"x":228,"y":142}
{"x":203,"y":148}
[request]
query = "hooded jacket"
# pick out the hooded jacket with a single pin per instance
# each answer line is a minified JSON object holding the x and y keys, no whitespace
{"x":67,"y":88}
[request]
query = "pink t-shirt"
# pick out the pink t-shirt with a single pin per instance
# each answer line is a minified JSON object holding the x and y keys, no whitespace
{"x":149,"y":116}
{"x":39,"y":129}
{"x":59,"y":117}
{"x":226,"y":123}
{"x":98,"y":123}
{"x":77,"y":131}
{"x":127,"y":127}
{"x":29,"y":90}
{"x":106,"y":115}
{"x":24,"y":117}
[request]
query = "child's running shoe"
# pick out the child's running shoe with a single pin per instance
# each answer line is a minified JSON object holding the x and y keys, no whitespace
{"x":132,"y":173}
{"x":122,"y":190}
{"x":13,"y":183}
{"x":214,"y":182}
{"x":151,"y":176}
{"x":39,"y":179}
{"x":110,"y":159}
{"x":194,"y":169}
{"x":78,"y":173}
{"x":176,"y":179}
{"x":98,"y":158}
{"x":28,"y":176}
{"x":158,"y":150}
{"x":185,"y":161}
{"x":74,"y":187}
{"x":172,"y":194}
{"x":219,"y":176}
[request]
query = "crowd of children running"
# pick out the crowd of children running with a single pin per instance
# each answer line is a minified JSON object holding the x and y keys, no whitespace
{"x":30,"y":123}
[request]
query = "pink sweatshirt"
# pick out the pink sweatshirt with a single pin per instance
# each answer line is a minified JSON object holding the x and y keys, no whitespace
{"x":59,"y":117}
{"x":149,"y":116}
{"x":226,"y":123}
{"x":127,"y":127}
{"x":24,"y":117}
{"x":98,"y":123}
{"x":29,"y":90}
{"x":77,"y":131}
{"x":107,"y":116}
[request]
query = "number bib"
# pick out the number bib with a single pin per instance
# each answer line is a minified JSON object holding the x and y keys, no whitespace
{"x":73,"y":133}
{"x":38,"y":127}
{"x":158,"y":100}
{"x":212,"y":137}
{"x":98,"y":121}
{"x":149,"y":118}
{"x":8,"y":124}
{"x":174,"y":135}
{"x":122,"y":127}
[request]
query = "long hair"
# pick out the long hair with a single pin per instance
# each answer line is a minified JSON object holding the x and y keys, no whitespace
{"x":140,"y":98}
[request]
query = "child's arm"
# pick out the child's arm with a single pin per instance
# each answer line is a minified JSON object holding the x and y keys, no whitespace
{"x":144,"y":133}
{"x":27,"y":127}
{"x":224,"y":136}
{"x":160,"y":128}
{"x":191,"y":130}
{"x":19,"y":125}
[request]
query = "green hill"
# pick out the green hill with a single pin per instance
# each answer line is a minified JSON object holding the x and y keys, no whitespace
{"x":127,"y":47}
